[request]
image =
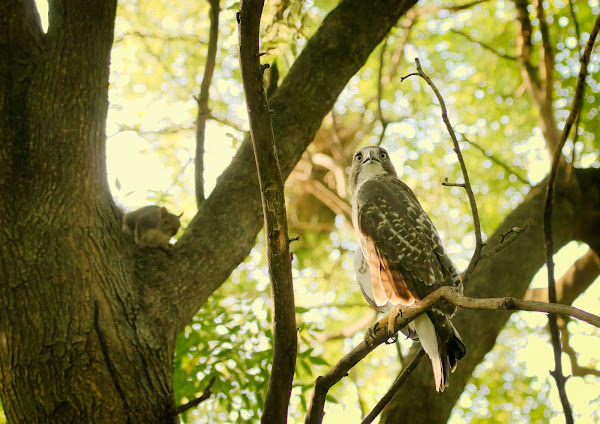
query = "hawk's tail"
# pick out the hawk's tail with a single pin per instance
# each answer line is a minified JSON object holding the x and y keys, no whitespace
{"x":442,"y":343}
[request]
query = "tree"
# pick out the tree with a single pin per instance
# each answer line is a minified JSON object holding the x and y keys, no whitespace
{"x":88,"y":322}
{"x":98,"y":338}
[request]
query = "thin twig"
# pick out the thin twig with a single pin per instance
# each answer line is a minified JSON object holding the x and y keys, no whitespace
{"x":548,"y":206}
{"x":406,"y":372}
{"x":479,"y":244}
{"x":575,"y":23}
{"x":506,"y":239}
{"x":205,"y":395}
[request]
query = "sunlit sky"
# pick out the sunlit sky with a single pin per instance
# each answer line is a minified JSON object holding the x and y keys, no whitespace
{"x":139,"y":169}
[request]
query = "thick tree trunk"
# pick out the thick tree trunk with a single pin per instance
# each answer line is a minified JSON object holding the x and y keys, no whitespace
{"x":74,"y":338}
{"x":507,"y":273}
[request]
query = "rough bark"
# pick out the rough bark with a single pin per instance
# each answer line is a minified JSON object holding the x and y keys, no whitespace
{"x":88,"y":320}
{"x":285,"y":339}
{"x":73,"y":345}
{"x":507,"y":273}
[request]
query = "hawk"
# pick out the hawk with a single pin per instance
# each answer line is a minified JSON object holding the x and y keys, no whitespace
{"x":400,"y":258}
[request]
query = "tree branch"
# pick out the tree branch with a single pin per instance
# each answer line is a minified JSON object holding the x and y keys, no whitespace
{"x":349,"y":329}
{"x":577,"y":370}
{"x":539,"y":83}
{"x":479,"y":244}
{"x":506,"y":239}
{"x":191,"y":404}
{"x":548,"y":206}
{"x":203,"y":110}
{"x":271,"y":188}
{"x":324,"y":383}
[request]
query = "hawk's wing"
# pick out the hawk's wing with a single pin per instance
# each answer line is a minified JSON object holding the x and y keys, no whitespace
{"x":404,"y":251}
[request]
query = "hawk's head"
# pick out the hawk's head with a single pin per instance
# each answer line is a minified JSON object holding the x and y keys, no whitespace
{"x":369,"y":162}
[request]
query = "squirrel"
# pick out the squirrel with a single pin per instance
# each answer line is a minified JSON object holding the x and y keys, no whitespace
{"x":151,"y":226}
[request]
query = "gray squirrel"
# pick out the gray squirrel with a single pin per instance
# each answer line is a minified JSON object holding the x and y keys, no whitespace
{"x":151,"y":226}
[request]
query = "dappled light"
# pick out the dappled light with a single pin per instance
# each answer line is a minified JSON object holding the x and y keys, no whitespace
{"x":492,"y":76}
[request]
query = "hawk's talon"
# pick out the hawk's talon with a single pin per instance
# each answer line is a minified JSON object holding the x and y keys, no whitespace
{"x":396,"y":312}
{"x":391,"y":340}
{"x":370,"y":334}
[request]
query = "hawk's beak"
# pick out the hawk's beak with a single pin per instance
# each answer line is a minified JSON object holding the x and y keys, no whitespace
{"x":371,"y":156}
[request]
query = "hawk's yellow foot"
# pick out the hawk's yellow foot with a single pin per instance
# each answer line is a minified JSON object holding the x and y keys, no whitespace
{"x":396,"y":312}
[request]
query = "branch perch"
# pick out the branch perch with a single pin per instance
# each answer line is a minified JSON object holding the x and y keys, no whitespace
{"x":324,"y":383}
{"x":275,"y":218}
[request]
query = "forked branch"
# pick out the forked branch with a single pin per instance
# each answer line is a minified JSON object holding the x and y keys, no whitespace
{"x":479,"y":244}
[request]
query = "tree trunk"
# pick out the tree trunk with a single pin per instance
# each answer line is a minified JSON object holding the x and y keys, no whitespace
{"x":507,"y":273}
{"x":74,"y":346}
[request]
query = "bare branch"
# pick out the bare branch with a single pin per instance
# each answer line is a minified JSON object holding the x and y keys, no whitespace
{"x":350,"y":329}
{"x":506,"y":239}
{"x":330,"y":199}
{"x":467,"y":184}
{"x":275,"y":218}
{"x":453,"y":8}
{"x":205,"y":395}
{"x":548,"y":206}
{"x":575,"y":22}
{"x":340,"y":370}
{"x":539,"y":83}
{"x":203,"y":111}
{"x":525,"y":47}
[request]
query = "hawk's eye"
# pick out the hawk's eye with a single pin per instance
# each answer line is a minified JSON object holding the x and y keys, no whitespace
{"x":383,"y":155}
{"x":358,"y":156}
